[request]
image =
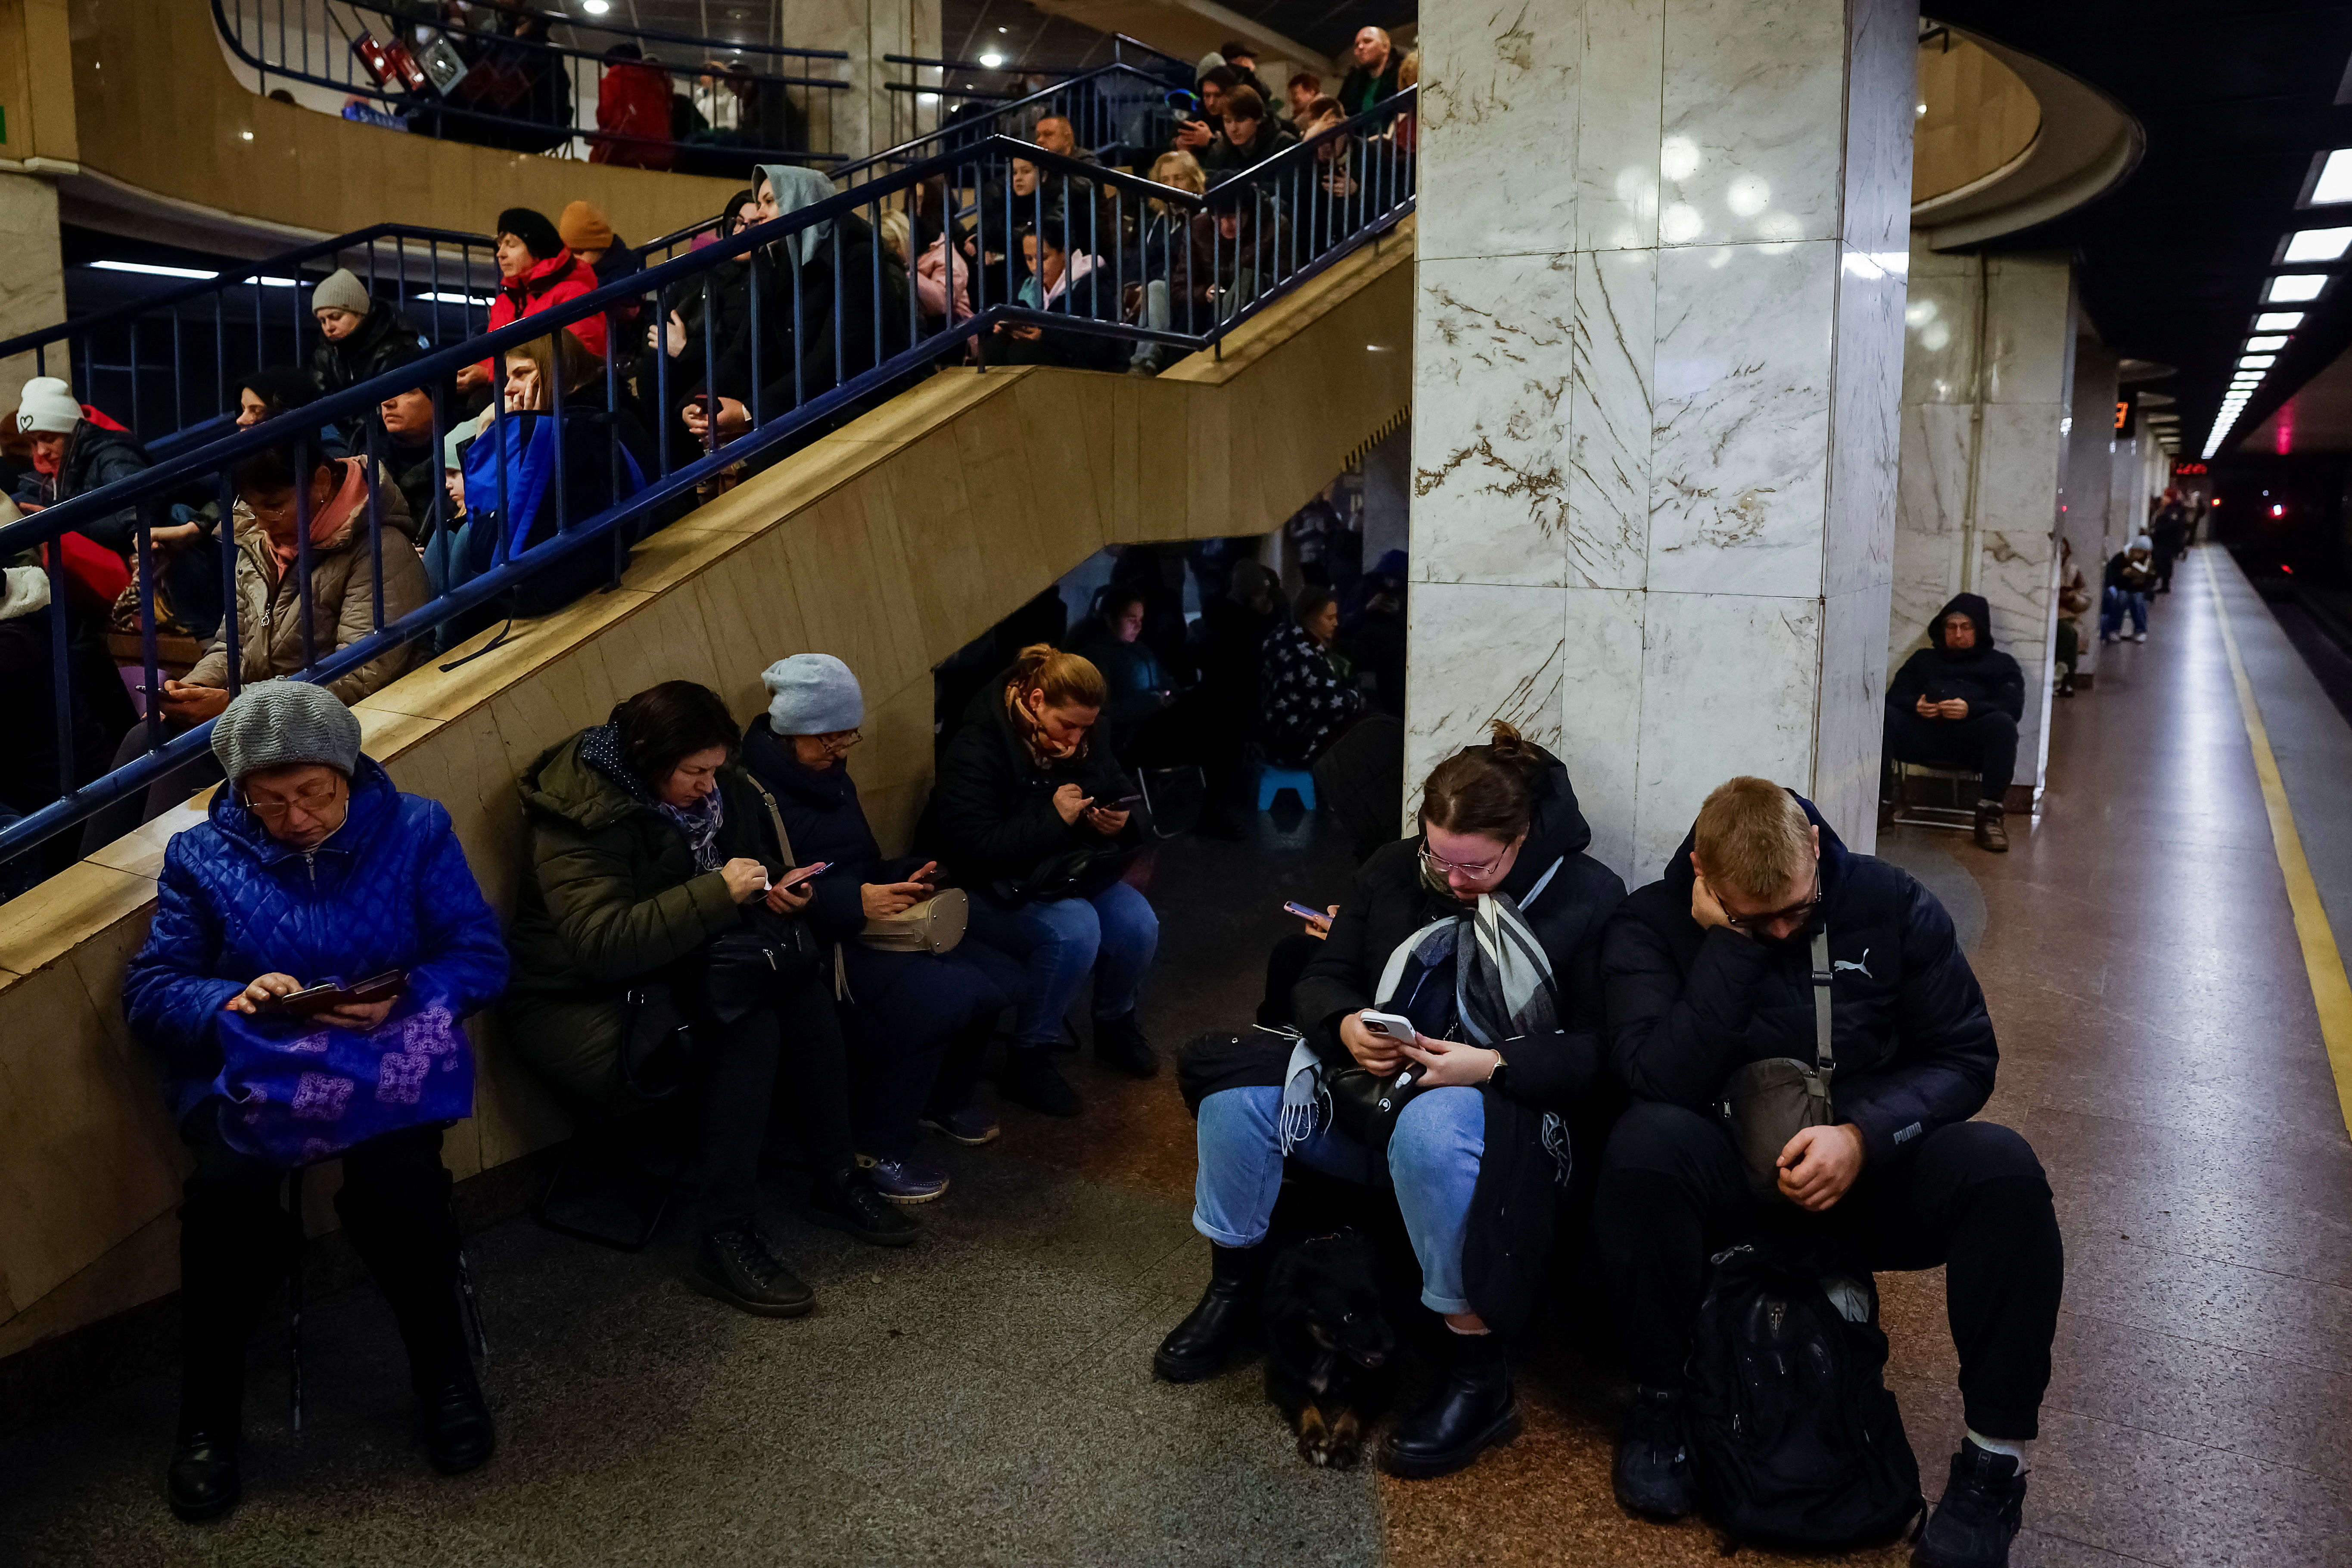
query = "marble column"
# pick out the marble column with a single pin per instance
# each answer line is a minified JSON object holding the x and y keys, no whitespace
{"x":1988,"y":368}
{"x":2085,"y":501}
{"x":32,"y":271}
{"x":1658,"y":352}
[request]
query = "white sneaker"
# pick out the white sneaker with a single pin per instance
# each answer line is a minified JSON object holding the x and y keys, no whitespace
{"x":2139,"y":637}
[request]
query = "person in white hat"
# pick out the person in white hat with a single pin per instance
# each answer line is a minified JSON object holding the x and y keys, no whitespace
{"x":76,"y":450}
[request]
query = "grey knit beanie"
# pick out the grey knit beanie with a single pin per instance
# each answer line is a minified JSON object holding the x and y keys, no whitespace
{"x":273,"y":722}
{"x":342,"y":290}
{"x":813,"y":694}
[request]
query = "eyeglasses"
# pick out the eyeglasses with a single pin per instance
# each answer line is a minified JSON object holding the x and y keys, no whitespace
{"x":840,"y":740}
{"x":1749,"y":925}
{"x":314,"y":799}
{"x":1439,"y":865}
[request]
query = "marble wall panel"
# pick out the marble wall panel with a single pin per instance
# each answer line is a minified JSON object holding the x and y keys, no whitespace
{"x":1851,"y":729}
{"x":1865,"y":422}
{"x":1617,"y":124}
{"x":1611,"y":419}
{"x":1754,"y":107}
{"x":1930,"y":497}
{"x":1728,"y":687}
{"x":1600,"y":716}
{"x":1882,"y":71}
{"x":1739,"y":458}
{"x":1499,"y":81}
{"x":2029,"y":309}
{"x":1939,"y":320}
{"x":1480,"y":652}
{"x":1495,"y":352}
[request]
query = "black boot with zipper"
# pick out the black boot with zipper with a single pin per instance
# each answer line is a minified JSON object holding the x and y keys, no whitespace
{"x":1475,"y":1409}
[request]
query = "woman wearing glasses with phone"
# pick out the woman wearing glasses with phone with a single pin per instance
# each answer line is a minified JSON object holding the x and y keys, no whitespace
{"x":309,"y":868}
{"x":645,"y":849}
{"x":1452,"y":1019}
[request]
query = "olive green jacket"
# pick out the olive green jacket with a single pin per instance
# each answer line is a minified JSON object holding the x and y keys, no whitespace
{"x":609,"y":897}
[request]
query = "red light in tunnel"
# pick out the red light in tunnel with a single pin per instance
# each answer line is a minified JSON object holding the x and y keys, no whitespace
{"x":2285,"y":568}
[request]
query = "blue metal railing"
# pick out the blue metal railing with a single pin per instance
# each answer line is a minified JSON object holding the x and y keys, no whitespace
{"x":524,"y":93}
{"x":1085,"y":261}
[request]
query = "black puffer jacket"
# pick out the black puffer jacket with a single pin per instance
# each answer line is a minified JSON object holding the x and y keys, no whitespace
{"x":1687,"y":1005}
{"x":992,"y":813}
{"x":384,"y":337}
{"x":1511,"y":1211}
{"x":96,"y":457}
{"x":1983,"y":677}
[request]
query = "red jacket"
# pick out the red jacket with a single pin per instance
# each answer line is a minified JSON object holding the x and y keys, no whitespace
{"x":633,"y":108}
{"x":558,"y":280}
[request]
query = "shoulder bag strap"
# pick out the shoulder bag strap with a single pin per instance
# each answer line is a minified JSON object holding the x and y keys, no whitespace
{"x":783,"y":839}
{"x":1825,"y":1056}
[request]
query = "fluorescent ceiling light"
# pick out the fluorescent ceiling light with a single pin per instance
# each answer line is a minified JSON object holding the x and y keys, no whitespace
{"x":992,"y":60}
{"x":2278,"y":321}
{"x":2266,"y":341}
{"x":2318,"y":244}
{"x":2294,"y":288}
{"x":275,"y":282}
{"x":2334,"y":179}
{"x":2257,"y":361}
{"x":445,"y":299}
{"x":595,"y":7}
{"x":151,"y":269}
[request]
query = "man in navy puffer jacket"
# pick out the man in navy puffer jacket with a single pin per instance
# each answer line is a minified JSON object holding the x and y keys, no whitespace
{"x":311,"y":866}
{"x":1710,"y":968}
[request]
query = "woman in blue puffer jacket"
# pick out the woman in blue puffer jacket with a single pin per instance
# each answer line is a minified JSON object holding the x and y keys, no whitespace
{"x":313,"y":869}
{"x":917,"y":1022}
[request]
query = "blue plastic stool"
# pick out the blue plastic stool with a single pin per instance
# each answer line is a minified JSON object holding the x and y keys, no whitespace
{"x":1272,"y":781}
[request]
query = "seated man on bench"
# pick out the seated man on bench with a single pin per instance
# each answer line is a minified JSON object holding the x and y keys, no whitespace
{"x":1956,"y":703}
{"x":1710,"y":968}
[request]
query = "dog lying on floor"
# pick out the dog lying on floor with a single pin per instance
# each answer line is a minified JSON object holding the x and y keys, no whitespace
{"x":1328,"y":1345}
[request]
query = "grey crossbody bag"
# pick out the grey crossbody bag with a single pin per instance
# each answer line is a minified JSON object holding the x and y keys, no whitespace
{"x":1766,"y":1103}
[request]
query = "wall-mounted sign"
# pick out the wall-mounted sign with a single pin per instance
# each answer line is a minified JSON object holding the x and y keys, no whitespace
{"x":2188,"y":468}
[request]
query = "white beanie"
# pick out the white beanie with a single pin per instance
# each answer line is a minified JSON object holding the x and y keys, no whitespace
{"x":813,"y":694}
{"x":2142,"y":541}
{"x":47,"y":408}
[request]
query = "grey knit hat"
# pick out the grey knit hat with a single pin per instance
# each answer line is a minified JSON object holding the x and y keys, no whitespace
{"x":342,"y":290}
{"x":813,"y":694}
{"x":273,"y":722}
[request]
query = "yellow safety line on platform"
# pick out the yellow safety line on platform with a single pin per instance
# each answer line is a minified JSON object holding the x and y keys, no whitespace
{"x":2330,"y":991}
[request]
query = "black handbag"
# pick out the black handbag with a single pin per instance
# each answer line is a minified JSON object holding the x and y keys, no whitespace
{"x":657,"y":1053}
{"x":1072,"y":874}
{"x":765,"y":957}
{"x":1766,"y":1103}
{"x":1365,"y":1105}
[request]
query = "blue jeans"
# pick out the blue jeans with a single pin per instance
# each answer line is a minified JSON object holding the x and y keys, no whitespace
{"x":1434,"y":1156}
{"x":1114,"y":933}
{"x":2111,"y":613}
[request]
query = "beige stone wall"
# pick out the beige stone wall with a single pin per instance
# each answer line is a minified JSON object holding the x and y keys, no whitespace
{"x":890,"y":545}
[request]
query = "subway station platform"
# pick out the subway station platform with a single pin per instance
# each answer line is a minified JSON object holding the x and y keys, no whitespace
{"x":985,"y":1398}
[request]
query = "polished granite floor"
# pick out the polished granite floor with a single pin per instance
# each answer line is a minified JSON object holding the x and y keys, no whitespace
{"x":984,"y":1398}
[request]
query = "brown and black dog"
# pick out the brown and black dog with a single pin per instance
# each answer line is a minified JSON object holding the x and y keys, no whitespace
{"x":1330,"y":1348}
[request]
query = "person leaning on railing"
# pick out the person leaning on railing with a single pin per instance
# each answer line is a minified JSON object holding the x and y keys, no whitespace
{"x":643,"y":847}
{"x":537,"y":271}
{"x":269,"y":603}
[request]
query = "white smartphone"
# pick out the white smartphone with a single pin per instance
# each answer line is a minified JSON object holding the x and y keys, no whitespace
{"x":1393,"y":1027}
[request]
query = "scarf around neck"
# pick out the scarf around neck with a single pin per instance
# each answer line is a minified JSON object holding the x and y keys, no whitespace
{"x":600,"y":748}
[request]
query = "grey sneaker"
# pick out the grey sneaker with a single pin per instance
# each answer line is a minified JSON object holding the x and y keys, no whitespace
{"x":905,"y":1181}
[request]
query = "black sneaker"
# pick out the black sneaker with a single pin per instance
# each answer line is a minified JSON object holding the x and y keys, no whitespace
{"x":846,"y":1200}
{"x":1031,"y":1078}
{"x":1119,"y":1041}
{"x":736,"y":1267}
{"x":202,"y":1481}
{"x":1653,"y":1474}
{"x":968,"y":1123}
{"x":1978,"y":1518}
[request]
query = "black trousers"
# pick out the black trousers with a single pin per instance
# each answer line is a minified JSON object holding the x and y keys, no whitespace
{"x":1284,"y":965}
{"x":787,"y":1059}
{"x":1971,"y":1196}
{"x":237,"y":1241}
{"x":1985,"y":742}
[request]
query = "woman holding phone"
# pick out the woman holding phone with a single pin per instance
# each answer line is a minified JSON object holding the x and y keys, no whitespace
{"x":310,"y":868}
{"x":1037,"y":820}
{"x":917,"y":1022}
{"x":1467,"y":958}
{"x":643,"y":845}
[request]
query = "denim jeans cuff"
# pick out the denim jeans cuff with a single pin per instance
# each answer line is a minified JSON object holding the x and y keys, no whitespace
{"x":1437,"y":1303}
{"x":1228,"y":1238}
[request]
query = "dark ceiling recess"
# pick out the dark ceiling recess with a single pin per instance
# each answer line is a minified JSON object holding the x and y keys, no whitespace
{"x":2237,"y":100}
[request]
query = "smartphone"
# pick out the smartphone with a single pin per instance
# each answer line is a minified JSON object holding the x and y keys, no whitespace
{"x":800,"y":874}
{"x":314,"y":1000}
{"x":1393,"y":1027}
{"x":1123,"y":803}
{"x":1303,"y":912}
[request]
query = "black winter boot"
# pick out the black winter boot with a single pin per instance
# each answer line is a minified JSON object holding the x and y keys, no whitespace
{"x":408,"y":1239}
{"x":1119,"y":1041}
{"x":1978,"y":1515}
{"x":846,"y":1200}
{"x":736,"y":1267}
{"x":1199,"y":1346}
{"x":235,"y":1247}
{"x":1652,"y":1474}
{"x":1476,"y":1408}
{"x":1031,"y":1078}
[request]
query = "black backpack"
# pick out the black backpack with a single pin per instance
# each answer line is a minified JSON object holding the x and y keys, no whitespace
{"x":1794,"y":1439}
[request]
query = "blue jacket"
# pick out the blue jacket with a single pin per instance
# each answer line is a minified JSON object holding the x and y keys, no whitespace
{"x":390,"y":889}
{"x":1686,"y":1006}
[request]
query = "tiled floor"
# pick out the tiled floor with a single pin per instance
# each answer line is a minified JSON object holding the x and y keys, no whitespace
{"x":986,"y":1398}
